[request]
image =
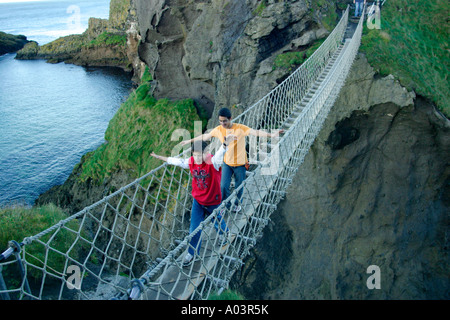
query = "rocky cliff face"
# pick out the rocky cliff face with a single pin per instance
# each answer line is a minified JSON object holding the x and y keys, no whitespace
{"x":221,"y":52}
{"x":373,"y":190}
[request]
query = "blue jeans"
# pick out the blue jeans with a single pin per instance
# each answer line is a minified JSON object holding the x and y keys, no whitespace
{"x":239,"y":176}
{"x":198,"y":214}
{"x":359,"y":6}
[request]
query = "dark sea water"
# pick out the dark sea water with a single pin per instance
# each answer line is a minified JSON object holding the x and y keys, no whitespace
{"x":50,"y":114}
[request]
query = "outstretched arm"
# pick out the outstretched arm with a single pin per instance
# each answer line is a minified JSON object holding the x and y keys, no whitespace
{"x":261,"y":133}
{"x":205,"y":137}
{"x":154,"y":155}
{"x":183,"y":163}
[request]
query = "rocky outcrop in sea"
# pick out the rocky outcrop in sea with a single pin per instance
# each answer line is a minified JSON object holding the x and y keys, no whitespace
{"x":105,"y":43}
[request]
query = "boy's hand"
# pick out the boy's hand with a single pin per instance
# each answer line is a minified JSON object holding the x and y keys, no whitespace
{"x":230,"y":138}
{"x":276,"y":134}
{"x":185,"y":142}
{"x":154,"y":155}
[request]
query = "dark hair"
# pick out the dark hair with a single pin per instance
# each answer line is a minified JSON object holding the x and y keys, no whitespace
{"x":225,"y":112}
{"x":199,"y":146}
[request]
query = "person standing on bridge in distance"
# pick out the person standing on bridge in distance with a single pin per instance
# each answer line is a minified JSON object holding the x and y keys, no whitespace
{"x":206,"y":175}
{"x":359,"y":6}
{"x":236,"y":156}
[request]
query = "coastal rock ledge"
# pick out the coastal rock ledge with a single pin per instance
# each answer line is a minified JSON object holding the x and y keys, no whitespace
{"x":109,"y":42}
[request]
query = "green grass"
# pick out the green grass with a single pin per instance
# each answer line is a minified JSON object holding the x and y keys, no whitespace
{"x":74,"y":43}
{"x":412,"y":45}
{"x":109,"y":39}
{"x":71,"y":44}
{"x":260,"y":8}
{"x":118,"y":13}
{"x":19,"y":222}
{"x":291,"y":60}
{"x":142,"y":124}
{"x":227,"y":295}
{"x":329,"y":17}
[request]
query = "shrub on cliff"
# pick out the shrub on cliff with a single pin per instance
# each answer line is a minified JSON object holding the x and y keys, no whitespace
{"x":16,"y":223}
{"x":291,"y":60}
{"x":412,"y":45}
{"x":109,"y":39}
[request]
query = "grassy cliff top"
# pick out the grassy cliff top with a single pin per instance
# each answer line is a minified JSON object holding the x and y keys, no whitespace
{"x":412,"y":45}
{"x":118,"y":13}
{"x":19,"y":222}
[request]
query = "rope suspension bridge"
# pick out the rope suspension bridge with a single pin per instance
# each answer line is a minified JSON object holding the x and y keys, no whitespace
{"x":130,"y":244}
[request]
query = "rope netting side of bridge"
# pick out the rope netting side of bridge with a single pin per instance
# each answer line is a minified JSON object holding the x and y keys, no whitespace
{"x":131,"y":243}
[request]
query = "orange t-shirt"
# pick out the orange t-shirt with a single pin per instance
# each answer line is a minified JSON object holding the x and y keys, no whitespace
{"x":236,"y":154}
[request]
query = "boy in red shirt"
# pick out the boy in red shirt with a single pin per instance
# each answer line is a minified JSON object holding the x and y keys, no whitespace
{"x":206,"y":174}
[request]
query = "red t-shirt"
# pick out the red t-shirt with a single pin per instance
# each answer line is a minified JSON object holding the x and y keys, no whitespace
{"x":205,"y":182}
